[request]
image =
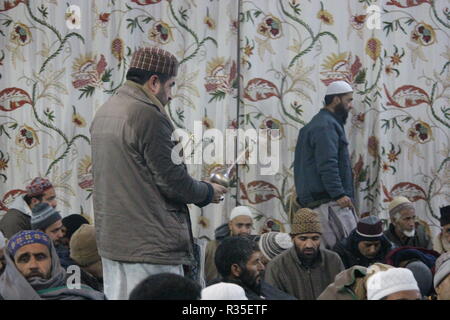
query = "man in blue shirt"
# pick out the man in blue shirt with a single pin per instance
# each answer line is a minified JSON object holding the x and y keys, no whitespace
{"x":322,"y":168}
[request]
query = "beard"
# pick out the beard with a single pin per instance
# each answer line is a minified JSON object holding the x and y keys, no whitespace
{"x":307,"y":258}
{"x":341,"y":112}
{"x":252,"y":281}
{"x":37,"y":275}
{"x":409,"y":234}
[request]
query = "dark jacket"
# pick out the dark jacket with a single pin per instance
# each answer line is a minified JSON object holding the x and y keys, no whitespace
{"x":140,"y":195}
{"x":268,"y":292}
{"x":348,"y":250}
{"x":322,"y":168}
{"x":420,"y":239}
{"x":287,"y":273}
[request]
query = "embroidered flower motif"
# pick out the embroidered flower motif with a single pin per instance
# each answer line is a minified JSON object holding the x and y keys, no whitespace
{"x":20,"y":34}
{"x":220,"y":77}
{"x":85,"y":178}
{"x":396,"y":59}
{"x":78,"y":120}
{"x":27,"y":137}
{"x":373,"y":48}
{"x":273,"y":124}
{"x":373,"y":146}
{"x":423,"y":34}
{"x":420,"y":132}
{"x":204,"y":222}
{"x":72,"y":17}
{"x":104,"y":17}
{"x":117,"y":48}
{"x":326,"y":17}
{"x":207,"y":123}
{"x":87,"y":71}
{"x":3,"y":161}
{"x":270,"y":27}
{"x":160,"y":33}
{"x":210,"y":23}
{"x":358,"y":21}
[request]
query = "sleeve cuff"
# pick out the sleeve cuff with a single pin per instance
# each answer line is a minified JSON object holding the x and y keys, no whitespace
{"x":208,"y":197}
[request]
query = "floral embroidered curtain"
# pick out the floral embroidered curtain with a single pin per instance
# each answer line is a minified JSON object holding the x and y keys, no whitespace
{"x":244,"y":64}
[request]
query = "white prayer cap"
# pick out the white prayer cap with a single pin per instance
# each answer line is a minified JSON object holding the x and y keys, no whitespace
{"x":241,"y":211}
{"x":2,"y":240}
{"x":338,"y":87}
{"x":224,"y":291}
{"x":385,"y":283}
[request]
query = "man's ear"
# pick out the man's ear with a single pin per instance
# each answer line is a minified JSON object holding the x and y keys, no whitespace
{"x":236,"y":270}
{"x":154,"y":84}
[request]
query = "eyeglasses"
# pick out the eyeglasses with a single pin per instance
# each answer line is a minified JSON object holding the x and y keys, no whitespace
{"x":446,"y":230}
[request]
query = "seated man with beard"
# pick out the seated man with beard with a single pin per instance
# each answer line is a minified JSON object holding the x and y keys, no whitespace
{"x":403,"y":229}
{"x":33,"y":271}
{"x":305,"y":270}
{"x":238,"y":260}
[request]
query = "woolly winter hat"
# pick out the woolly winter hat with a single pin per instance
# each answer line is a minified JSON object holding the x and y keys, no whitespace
{"x":240,"y":211}
{"x":398,"y":204}
{"x":43,"y":216}
{"x":442,"y":268}
{"x":224,"y":291}
{"x":26,"y":237}
{"x":38,"y":186}
{"x":385,"y":283}
{"x":338,"y":87}
{"x":72,"y":223}
{"x":445,"y":216}
{"x":272,"y":244}
{"x":83,"y":246}
{"x":423,"y":276}
{"x":370,"y":228}
{"x":306,"y":221}
{"x":154,"y":59}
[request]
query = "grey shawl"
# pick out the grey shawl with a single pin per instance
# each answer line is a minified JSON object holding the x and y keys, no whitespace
{"x":13,"y":286}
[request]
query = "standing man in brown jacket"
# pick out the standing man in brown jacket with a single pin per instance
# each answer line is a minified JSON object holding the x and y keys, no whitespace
{"x":140,"y":195}
{"x":305,"y":270}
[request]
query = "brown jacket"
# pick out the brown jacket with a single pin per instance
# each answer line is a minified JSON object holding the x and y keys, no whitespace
{"x":287,"y":273}
{"x":140,"y":195}
{"x":343,"y":287}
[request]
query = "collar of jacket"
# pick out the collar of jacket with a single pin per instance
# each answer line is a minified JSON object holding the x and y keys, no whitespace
{"x":319,"y":262}
{"x":154,"y":100}
{"x":339,"y":120}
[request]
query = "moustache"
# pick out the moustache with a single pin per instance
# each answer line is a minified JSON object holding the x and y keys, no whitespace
{"x":35,"y":274}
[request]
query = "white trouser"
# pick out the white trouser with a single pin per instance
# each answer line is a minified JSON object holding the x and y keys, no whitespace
{"x":120,"y":278}
{"x":337,"y":223}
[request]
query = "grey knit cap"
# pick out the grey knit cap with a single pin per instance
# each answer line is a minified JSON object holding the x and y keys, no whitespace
{"x":43,"y":216}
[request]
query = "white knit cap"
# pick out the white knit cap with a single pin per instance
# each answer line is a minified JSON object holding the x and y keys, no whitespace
{"x":2,"y":240}
{"x":224,"y":291}
{"x":385,"y":283}
{"x":338,"y":87}
{"x":241,"y":211}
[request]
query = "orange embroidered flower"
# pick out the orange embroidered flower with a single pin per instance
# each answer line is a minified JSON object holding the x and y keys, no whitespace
{"x":210,"y":23}
{"x":396,"y":59}
{"x":326,"y":17}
